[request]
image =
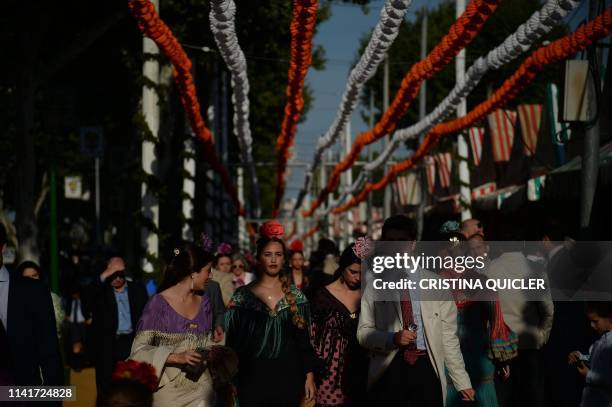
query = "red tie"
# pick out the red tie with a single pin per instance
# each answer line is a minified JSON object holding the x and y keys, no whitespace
{"x":410,"y":351}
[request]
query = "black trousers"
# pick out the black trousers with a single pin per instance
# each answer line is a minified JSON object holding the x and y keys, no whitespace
{"x":525,"y":386}
{"x":105,"y":363}
{"x":403,"y":384}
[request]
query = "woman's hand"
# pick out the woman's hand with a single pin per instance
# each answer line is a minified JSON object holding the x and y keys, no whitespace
{"x":218,"y":334}
{"x":310,"y":388}
{"x":189,"y":357}
{"x":504,"y":372}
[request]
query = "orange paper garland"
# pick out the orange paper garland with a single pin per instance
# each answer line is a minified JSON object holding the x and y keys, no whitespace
{"x":302,"y":32}
{"x":152,"y":26}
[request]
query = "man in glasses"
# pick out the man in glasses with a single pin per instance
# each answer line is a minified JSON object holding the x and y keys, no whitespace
{"x":117,"y":307}
{"x":471,"y":227}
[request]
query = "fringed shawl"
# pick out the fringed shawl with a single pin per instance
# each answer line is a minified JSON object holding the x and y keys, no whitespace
{"x":254,"y":329}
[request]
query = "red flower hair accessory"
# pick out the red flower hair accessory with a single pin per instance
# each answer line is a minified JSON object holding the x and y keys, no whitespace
{"x":272,"y":228}
{"x":364,"y":246}
{"x":224,"y":248}
{"x":296,"y":246}
{"x":140,"y":372}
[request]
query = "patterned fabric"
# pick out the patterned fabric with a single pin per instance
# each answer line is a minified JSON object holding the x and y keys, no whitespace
{"x":334,"y":337}
{"x":162,"y":331}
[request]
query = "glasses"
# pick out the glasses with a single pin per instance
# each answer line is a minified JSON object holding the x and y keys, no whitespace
{"x":241,"y":266}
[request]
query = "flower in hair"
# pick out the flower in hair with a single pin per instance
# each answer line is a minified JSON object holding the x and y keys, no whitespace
{"x":176,"y":252}
{"x":363,"y":247}
{"x":296,"y":246}
{"x":224,"y":248}
{"x":272,"y":228}
{"x":450,"y":226}
{"x":206,"y":242}
{"x":140,"y":372}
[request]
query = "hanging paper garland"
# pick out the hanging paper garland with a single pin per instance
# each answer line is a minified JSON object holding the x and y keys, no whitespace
{"x":302,"y":32}
{"x":391,"y":16}
{"x":222,"y":24}
{"x":460,"y":34}
{"x":153,"y":27}
{"x":555,"y":52}
{"x":539,"y":24}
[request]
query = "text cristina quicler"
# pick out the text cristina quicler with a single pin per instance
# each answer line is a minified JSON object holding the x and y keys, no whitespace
{"x":461,"y":284}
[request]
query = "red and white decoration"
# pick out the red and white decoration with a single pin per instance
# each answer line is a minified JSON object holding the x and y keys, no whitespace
{"x":408,"y":190}
{"x":530,"y":117}
{"x":501,"y":124}
{"x":430,"y":169}
{"x":445,"y":164}
{"x":476,"y":137}
{"x":483,"y":190}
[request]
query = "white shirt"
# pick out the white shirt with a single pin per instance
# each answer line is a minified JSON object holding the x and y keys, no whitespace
{"x":4,"y":293}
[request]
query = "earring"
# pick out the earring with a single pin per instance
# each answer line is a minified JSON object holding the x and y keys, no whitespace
{"x":191,"y":283}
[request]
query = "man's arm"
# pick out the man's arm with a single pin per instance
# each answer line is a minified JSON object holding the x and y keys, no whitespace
{"x":453,"y":359}
{"x":367,"y":334}
{"x":49,"y":357}
{"x":214,"y":294}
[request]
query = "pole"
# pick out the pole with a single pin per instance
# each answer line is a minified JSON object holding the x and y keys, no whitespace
{"x":370,"y":212}
{"x":462,"y":146}
{"x":53,"y":248}
{"x":150,"y":111}
{"x":349,"y":182}
{"x":388,"y":191}
{"x":590,"y":158}
{"x":242,"y":235}
{"x":189,"y":185}
{"x":422,"y":180}
{"x":330,"y":223}
{"x":97,"y":175}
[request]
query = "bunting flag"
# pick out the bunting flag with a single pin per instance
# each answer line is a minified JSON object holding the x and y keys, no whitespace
{"x":534,"y":188}
{"x":502,"y":197}
{"x":430,"y":169}
{"x":501,"y":125}
{"x":483,"y":190}
{"x":444,"y":163}
{"x":530,"y":117}
{"x":408,"y":190}
{"x":476,"y":137}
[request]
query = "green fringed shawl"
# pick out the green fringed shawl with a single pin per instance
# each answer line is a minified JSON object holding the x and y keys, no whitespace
{"x":254,"y":329}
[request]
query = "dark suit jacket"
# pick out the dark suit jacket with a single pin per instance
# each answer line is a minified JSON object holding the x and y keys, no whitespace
{"x":104,"y":315}
{"x":213,"y":291}
{"x":32,"y":336}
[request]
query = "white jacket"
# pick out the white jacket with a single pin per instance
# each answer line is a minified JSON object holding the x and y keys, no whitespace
{"x":380,"y":319}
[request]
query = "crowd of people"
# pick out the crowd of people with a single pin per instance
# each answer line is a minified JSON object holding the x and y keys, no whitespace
{"x":275,"y":329}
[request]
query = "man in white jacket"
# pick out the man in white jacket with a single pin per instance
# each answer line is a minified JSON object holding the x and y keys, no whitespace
{"x":398,"y":375}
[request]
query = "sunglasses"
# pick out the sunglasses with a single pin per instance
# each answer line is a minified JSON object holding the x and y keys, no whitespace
{"x":238,"y":267}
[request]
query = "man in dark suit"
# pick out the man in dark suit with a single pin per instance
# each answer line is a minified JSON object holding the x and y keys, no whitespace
{"x":30,"y":353}
{"x":116,"y":309}
{"x":570,"y":329}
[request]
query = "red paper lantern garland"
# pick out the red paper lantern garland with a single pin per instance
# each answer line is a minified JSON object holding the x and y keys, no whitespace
{"x":302,"y":32}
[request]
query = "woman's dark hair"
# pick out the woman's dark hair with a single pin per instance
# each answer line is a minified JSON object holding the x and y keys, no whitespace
{"x":262,"y":242}
{"x":125,"y":393}
{"x":347,"y":258}
{"x":29,"y":265}
{"x":187,"y":258}
{"x":601,"y":308}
